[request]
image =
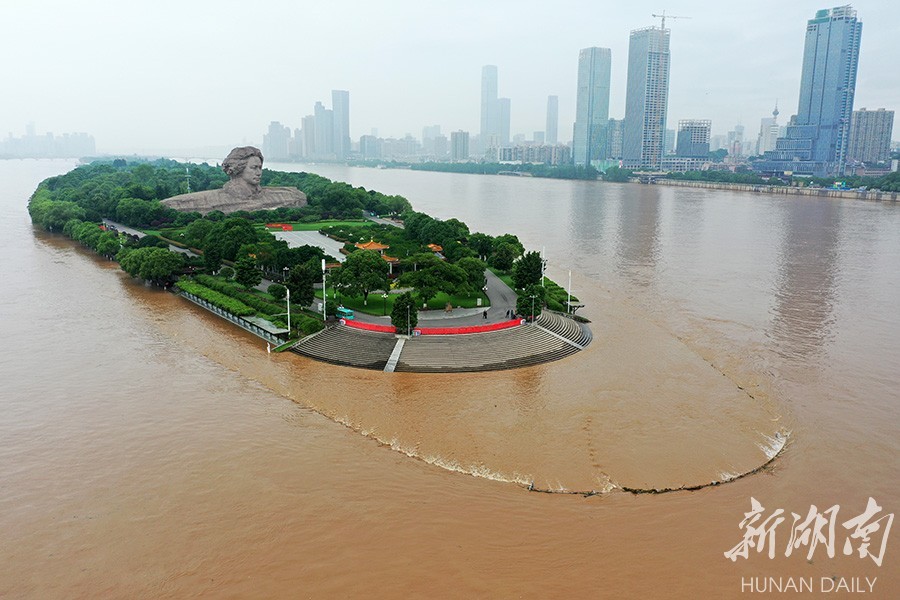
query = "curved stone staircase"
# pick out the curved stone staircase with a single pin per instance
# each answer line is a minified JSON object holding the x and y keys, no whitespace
{"x":496,"y":350}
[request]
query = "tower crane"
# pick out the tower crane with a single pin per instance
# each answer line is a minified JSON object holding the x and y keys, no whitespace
{"x":663,"y":17}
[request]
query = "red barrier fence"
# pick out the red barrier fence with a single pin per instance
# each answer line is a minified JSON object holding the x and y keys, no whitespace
{"x":281,"y":226}
{"x":435,"y":330}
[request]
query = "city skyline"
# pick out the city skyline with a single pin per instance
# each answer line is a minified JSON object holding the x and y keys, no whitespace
{"x":729,"y":64}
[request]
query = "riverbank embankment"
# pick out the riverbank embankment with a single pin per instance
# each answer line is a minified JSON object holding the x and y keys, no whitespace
{"x":871,"y":195}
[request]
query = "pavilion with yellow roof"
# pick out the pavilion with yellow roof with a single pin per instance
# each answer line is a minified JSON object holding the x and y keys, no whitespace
{"x":380,"y":248}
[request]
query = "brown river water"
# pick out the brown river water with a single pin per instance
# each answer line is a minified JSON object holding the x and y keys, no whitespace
{"x":148,"y":449}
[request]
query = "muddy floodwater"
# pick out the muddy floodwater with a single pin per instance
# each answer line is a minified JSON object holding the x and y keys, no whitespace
{"x":149,"y":449}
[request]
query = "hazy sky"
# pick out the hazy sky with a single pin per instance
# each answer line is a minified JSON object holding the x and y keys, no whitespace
{"x":162,"y":75}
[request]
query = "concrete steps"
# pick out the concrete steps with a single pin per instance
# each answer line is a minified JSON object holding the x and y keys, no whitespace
{"x":568,"y":328}
{"x":341,"y":345}
{"x":496,"y":350}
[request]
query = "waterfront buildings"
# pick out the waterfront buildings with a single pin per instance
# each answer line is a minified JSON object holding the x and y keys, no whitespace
{"x":769,"y":130}
{"x":615,"y":136}
{"x":32,"y":145}
{"x":340,"y":107}
{"x":817,"y":137}
{"x":459,"y":146}
{"x":552,"y":128}
{"x":504,"y":108}
{"x":548,"y":154}
{"x":490,"y":107}
{"x":277,"y":142}
{"x":693,"y":138}
{"x":646,"y":98}
{"x":870,"y":135}
{"x":591,"y":105}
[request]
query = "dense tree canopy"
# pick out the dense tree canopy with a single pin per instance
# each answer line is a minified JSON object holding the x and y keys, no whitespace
{"x":363,"y":271}
{"x":404,"y":315}
{"x":158,"y":265}
{"x":528,"y":270}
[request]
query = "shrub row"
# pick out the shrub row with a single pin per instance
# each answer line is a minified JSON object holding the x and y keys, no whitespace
{"x":217,"y":299}
{"x":248,"y":298}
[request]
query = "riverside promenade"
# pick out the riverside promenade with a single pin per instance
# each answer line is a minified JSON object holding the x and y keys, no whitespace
{"x":450,"y":342}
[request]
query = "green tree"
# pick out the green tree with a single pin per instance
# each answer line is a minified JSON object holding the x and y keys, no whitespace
{"x":527,"y":270}
{"x":108,"y":244}
{"x":212,"y":258}
{"x":246,"y":273}
{"x":54,"y":215}
{"x":196,"y":232}
{"x":364,"y":271}
{"x":504,"y":255}
{"x":277,"y":291}
{"x":482,"y":244}
{"x":617,"y":174}
{"x":474,"y":269}
{"x":229,"y":235}
{"x":300,"y":282}
{"x":531,"y":299}
{"x":440,"y":277}
{"x":151,"y":264}
{"x":404,"y":315}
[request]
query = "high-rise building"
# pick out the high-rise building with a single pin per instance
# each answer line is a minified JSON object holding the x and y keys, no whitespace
{"x":591,"y":105}
{"x":646,"y":98}
{"x":369,"y":148}
{"x":693,"y":138}
{"x":615,"y":136}
{"x":817,"y":138}
{"x":551,"y":131}
{"x":459,"y":146}
{"x":870,"y":135}
{"x":441,"y":147}
{"x":324,"y":132}
{"x":768,"y":133}
{"x":340,"y":107}
{"x":308,"y":127}
{"x":490,"y":106}
{"x":504,"y":121}
{"x":669,"y":145}
{"x":736,"y":141}
{"x":276,"y":143}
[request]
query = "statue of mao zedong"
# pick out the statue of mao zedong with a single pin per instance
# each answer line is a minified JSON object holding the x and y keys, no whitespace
{"x":243,"y":192}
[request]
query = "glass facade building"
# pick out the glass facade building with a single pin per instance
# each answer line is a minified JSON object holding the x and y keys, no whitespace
{"x":591,"y":105}
{"x":818,"y":136}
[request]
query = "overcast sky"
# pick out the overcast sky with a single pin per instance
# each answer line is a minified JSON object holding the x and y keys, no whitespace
{"x":162,"y":75}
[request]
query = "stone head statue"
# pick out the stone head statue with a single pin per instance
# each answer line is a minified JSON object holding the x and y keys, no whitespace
{"x":242,"y":192}
{"x":244,"y":166}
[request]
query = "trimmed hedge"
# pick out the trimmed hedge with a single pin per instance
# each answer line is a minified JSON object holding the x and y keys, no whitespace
{"x":249,"y":298}
{"x":217,"y":299}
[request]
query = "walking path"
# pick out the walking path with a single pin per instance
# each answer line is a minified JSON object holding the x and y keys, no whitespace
{"x":132,"y":231}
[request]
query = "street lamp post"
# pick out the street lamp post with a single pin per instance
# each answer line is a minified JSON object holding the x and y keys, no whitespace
{"x":289,"y":311}
{"x":532,"y":307}
{"x":407,"y":319}
{"x":543,"y":265}
{"x":286,"y":273}
{"x":324,"y":293}
{"x":384,"y":304}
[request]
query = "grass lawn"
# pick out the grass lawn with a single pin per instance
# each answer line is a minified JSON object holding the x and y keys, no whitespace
{"x":172,"y":234}
{"x":378,"y":306}
{"x":317,"y":225}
